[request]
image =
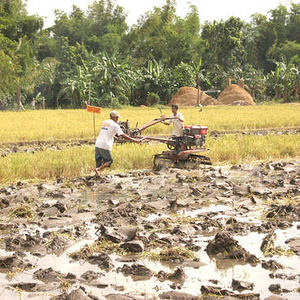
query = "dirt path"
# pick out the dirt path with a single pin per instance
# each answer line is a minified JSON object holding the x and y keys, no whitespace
{"x":230,"y":231}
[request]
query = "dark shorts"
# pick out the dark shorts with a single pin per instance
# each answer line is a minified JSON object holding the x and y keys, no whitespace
{"x":102,"y":156}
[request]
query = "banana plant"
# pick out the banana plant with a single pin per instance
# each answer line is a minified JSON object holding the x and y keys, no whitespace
{"x":284,"y":80}
{"x":115,"y":77}
{"x":77,"y":87}
{"x":200,"y":73}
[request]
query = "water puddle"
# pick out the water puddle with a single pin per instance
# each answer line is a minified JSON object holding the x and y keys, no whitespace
{"x":169,"y":226}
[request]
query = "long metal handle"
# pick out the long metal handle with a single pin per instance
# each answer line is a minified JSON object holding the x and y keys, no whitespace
{"x":153,"y":122}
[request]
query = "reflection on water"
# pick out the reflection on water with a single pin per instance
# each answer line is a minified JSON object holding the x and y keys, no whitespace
{"x":221,"y":271}
{"x":203,"y":210}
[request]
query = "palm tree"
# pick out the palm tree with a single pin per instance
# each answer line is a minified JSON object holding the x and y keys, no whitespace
{"x":25,"y":69}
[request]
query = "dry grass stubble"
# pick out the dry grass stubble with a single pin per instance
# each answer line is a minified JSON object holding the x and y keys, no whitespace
{"x":49,"y":125}
{"x":79,"y":161}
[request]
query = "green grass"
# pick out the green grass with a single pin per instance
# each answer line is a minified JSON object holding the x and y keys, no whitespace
{"x":79,"y":161}
{"x":48,"y":125}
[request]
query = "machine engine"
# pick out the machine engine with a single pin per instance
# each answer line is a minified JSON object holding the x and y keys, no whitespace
{"x":194,"y":136}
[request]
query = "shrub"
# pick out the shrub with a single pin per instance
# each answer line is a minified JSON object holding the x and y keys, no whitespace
{"x":152,"y":99}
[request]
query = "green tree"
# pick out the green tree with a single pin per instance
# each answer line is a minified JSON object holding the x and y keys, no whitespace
{"x":14,"y":21}
{"x":100,"y":28}
{"x":17,"y":34}
{"x":165,"y":37}
{"x":270,"y":34}
{"x":293,"y":24}
{"x":46,"y":76}
{"x":286,"y":51}
{"x":26,"y":71}
{"x":224,"y":42}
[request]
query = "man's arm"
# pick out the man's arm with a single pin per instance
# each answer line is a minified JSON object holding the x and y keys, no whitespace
{"x":164,"y":121}
{"x":119,"y":132}
{"x":180,"y":118}
{"x":127,"y":137}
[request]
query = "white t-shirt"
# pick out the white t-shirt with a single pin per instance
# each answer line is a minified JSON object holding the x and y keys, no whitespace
{"x":107,"y":133}
{"x":177,"y":125}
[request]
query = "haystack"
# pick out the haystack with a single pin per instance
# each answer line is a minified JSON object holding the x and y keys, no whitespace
{"x":188,"y":96}
{"x":235,"y":94}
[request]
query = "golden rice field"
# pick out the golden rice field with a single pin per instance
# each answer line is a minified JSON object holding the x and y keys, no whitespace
{"x":48,"y":125}
{"x":79,"y":161}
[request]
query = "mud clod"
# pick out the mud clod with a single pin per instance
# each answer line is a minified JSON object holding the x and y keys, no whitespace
{"x":117,"y":235}
{"x":275,"y":288}
{"x":133,"y":246}
{"x":177,"y":296}
{"x":139,"y":272}
{"x":47,"y":275}
{"x":294,"y":244}
{"x":90,"y":275}
{"x":78,"y":294}
{"x":102,"y":260}
{"x":271,"y":265}
{"x":240,"y":285}
{"x":8,"y":263}
{"x":267,"y":245}
{"x":212,"y":292}
{"x":223,"y":245}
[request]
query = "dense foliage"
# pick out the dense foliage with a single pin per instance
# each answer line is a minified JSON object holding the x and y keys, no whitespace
{"x":94,"y":56}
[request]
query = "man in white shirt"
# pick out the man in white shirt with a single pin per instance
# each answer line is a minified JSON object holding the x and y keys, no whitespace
{"x":105,"y":141}
{"x":177,"y":121}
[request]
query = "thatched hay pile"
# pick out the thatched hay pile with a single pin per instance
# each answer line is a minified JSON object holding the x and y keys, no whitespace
{"x":235,"y":94}
{"x":188,"y":96}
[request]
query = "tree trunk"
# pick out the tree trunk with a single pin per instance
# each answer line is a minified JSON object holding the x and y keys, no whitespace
{"x":297,"y":92}
{"x":229,"y":81}
{"x":277,"y":93}
{"x":286,"y":92}
{"x":20,"y":105}
{"x":198,"y":90}
{"x":33,"y":104}
{"x":56,"y":101}
{"x":198,"y":96}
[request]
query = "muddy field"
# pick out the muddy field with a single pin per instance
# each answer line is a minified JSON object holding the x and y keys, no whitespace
{"x":229,"y":232}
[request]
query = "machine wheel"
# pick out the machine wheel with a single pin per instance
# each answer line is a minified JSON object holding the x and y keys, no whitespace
{"x":193,"y":162}
{"x":171,"y":147}
{"x":200,"y":159}
{"x":160,"y":163}
{"x":189,"y":165}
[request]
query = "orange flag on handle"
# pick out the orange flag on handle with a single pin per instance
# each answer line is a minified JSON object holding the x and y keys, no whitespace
{"x":93,"y":109}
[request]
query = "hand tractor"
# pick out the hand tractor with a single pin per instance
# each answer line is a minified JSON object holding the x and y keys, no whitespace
{"x":183,"y":151}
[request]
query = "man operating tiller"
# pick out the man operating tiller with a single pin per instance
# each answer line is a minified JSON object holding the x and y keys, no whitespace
{"x":105,"y":140}
{"x":177,"y":120}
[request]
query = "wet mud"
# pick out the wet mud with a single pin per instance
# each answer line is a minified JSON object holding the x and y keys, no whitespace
{"x":223,"y":231}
